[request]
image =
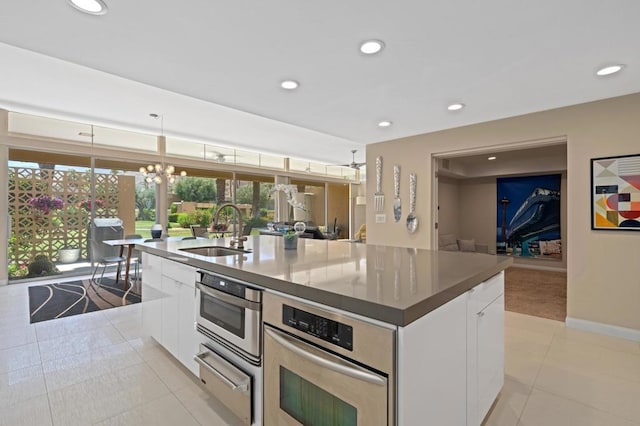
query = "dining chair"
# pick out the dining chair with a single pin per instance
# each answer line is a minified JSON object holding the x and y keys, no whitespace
{"x":136,"y":256}
{"x":102,"y":256}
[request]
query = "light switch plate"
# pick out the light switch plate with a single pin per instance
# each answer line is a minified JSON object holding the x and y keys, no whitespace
{"x":381,"y":218}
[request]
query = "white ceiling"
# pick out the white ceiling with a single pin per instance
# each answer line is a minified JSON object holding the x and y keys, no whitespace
{"x":499,"y":57}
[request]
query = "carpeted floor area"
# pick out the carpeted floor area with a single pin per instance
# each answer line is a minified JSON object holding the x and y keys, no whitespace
{"x":60,"y":300}
{"x":536,"y":292}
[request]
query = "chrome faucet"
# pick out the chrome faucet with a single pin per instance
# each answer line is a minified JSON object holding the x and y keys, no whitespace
{"x":236,"y":239}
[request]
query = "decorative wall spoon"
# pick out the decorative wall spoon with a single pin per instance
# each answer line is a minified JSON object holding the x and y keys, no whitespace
{"x":412,"y":220}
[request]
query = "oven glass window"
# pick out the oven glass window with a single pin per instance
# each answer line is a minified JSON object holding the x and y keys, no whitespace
{"x":224,"y":315}
{"x":311,"y":405}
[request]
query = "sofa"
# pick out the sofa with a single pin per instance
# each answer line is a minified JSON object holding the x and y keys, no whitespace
{"x":449,"y":242}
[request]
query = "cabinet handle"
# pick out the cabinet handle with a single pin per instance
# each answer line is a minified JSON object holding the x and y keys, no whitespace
{"x":322,"y":359}
{"x":480,"y":314}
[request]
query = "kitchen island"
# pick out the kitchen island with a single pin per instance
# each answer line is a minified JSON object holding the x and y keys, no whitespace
{"x":444,"y":310}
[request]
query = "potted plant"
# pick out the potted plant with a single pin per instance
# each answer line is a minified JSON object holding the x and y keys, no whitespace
{"x":290,"y":235}
{"x":290,"y":238}
{"x":68,"y":254}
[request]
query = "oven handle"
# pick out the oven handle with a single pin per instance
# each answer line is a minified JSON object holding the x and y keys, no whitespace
{"x":321,"y":359}
{"x":232,"y":300}
{"x":234,"y":387}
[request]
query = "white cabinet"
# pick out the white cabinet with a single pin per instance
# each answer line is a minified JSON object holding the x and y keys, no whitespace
{"x":451,"y":361}
{"x":152,"y":296}
{"x":485,"y":347}
{"x":170,"y":314}
{"x":168,"y":310}
{"x":432,"y":367}
{"x":188,"y":338}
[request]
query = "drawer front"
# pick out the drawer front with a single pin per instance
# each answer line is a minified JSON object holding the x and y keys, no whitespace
{"x":177,"y":271}
{"x":488,"y":291}
{"x":230,"y":385}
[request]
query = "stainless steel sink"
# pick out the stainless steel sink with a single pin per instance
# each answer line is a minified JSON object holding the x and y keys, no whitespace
{"x":213,"y":251}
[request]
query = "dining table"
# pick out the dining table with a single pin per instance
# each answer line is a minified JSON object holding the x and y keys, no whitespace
{"x":129,"y":244}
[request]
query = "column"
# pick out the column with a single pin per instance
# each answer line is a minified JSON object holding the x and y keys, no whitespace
{"x":5,"y":220}
{"x":162,"y":216}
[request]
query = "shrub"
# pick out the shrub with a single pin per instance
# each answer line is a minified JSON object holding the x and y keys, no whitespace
{"x":17,"y":270}
{"x":41,"y":265}
{"x":173,"y":209}
{"x":173,"y":217}
{"x":147,"y":214}
{"x":199,"y":217}
{"x":183,"y":219}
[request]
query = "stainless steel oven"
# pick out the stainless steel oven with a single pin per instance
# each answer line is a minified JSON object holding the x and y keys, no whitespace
{"x":324,"y":368}
{"x":230,"y":312}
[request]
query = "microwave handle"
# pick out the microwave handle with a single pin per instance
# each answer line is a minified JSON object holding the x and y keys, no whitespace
{"x":322,"y":359}
{"x":234,"y":386}
{"x":232,"y":300}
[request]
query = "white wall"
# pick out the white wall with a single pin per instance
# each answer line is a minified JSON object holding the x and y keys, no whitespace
{"x":449,"y":213}
{"x":602,"y":266}
{"x":478,"y":202}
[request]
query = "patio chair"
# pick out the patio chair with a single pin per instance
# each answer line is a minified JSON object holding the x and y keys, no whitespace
{"x":102,"y":256}
{"x":199,"y":231}
{"x":136,"y":256}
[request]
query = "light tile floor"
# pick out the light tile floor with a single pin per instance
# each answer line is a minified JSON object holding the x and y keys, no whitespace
{"x":100,"y":368}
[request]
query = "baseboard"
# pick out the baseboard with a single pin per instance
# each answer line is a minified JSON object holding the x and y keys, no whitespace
{"x":538,"y":267}
{"x":600,"y":328}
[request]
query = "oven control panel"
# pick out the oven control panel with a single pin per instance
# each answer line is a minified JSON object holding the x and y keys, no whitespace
{"x":323,"y":328}
{"x":223,"y":284}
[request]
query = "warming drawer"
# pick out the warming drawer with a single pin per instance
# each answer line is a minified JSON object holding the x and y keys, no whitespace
{"x":229,"y":384}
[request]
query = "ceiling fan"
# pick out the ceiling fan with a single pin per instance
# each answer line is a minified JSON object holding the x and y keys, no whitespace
{"x":218,"y":156}
{"x":354,"y":164}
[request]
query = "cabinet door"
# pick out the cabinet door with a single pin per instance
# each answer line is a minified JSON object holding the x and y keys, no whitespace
{"x":189,"y":338}
{"x":152,"y":296}
{"x":170,"y":315}
{"x":432,"y":367}
{"x":490,"y":328}
{"x":152,"y":272}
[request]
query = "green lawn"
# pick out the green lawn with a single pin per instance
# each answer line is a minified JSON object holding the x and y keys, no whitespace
{"x":143,"y":227}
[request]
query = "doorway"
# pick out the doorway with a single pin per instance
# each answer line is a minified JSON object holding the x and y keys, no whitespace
{"x":466,"y":209}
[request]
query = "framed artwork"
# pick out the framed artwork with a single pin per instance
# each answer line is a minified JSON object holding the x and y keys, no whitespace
{"x":528,"y":216}
{"x":615,"y":193}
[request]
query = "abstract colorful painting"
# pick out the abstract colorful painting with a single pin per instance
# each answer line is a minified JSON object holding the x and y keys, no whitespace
{"x":615,"y":193}
{"x":528,"y":213}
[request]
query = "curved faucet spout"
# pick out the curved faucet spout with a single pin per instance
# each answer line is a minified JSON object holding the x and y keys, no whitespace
{"x":237,"y":235}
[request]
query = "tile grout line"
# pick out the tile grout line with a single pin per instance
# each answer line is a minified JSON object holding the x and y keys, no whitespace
{"x":44,"y":379}
{"x":571,"y":399}
{"x":533,"y":384}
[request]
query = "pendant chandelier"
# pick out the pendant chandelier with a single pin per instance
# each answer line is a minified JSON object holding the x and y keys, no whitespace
{"x":156,"y":173}
{"x":159,"y":172}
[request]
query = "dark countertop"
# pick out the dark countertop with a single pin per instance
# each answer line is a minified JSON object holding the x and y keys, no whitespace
{"x":390,"y":284}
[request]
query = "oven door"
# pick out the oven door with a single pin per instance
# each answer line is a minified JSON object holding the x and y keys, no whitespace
{"x":306,"y":385}
{"x":230,"y":318}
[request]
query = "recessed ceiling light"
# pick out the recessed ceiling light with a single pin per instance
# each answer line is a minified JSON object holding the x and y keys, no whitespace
{"x":455,"y":107}
{"x":371,"y":47}
{"x":491,"y":158}
{"x":609,"y":69}
{"x":289,"y":84}
{"x":93,"y":7}
{"x":385,"y":123}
